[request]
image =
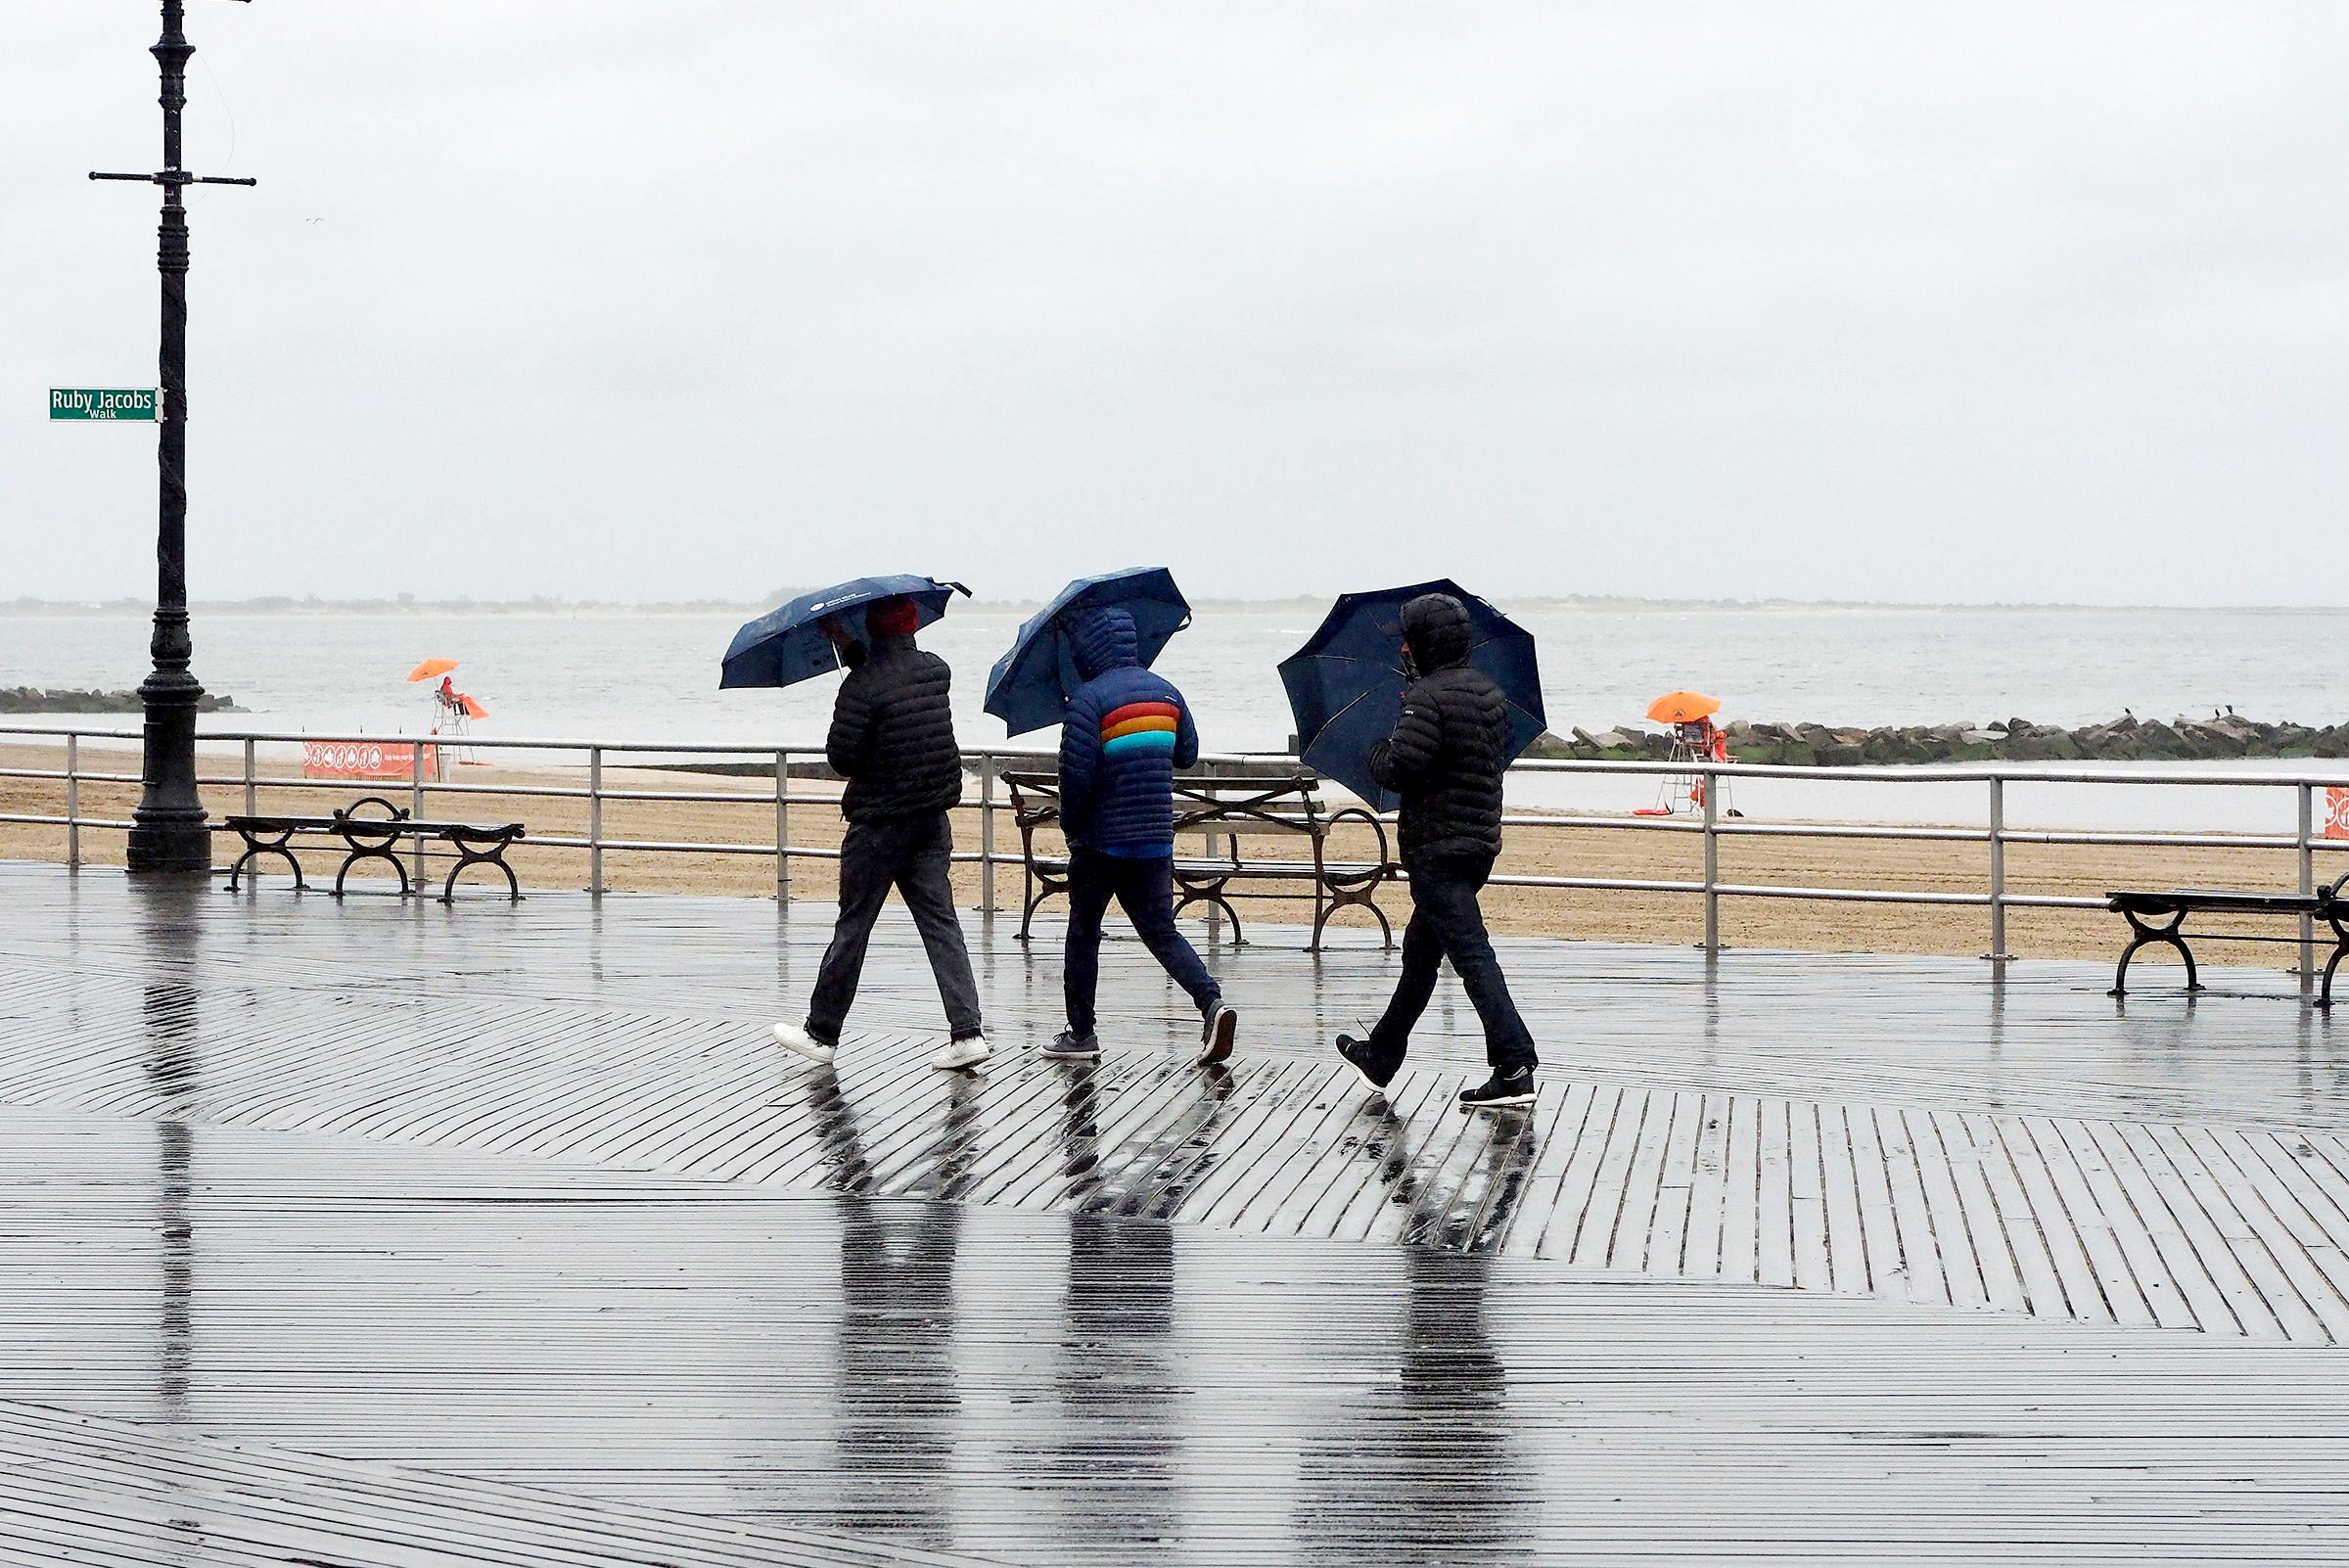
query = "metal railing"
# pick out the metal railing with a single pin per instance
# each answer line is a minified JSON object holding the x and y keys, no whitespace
{"x":987,"y":763}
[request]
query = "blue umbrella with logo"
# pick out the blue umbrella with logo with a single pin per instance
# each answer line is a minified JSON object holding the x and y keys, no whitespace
{"x":1346,"y":684}
{"x":1031,"y":684}
{"x":792,"y":643}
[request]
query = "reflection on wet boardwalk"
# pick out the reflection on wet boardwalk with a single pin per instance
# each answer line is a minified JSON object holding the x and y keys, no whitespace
{"x":364,"y":1233}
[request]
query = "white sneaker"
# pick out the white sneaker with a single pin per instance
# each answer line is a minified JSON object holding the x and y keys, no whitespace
{"x":961,"y":1053}
{"x":793,"y":1038}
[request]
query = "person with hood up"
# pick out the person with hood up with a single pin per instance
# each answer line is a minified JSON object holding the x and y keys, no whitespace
{"x":1445,"y":758}
{"x":1125,"y":732}
{"x":893,"y":739}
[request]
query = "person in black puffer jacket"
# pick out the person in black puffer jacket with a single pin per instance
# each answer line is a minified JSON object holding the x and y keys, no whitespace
{"x":893,"y":739}
{"x":1445,"y":758}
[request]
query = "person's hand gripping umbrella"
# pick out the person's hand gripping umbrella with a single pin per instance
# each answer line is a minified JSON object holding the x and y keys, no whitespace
{"x":1031,"y":684}
{"x":805,"y":638}
{"x":1346,"y":684}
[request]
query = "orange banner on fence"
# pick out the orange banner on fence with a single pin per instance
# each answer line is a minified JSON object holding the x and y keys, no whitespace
{"x":2336,"y":811}
{"x":367,"y":759}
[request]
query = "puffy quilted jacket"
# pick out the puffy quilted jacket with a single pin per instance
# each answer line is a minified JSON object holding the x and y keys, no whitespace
{"x":1126,"y":733}
{"x":1449,"y":748}
{"x":892,"y":735}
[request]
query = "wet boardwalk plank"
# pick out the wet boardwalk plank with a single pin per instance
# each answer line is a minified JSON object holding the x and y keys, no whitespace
{"x":326,"y":1348}
{"x":1888,"y":1254}
{"x":1606,"y":1178}
{"x":77,"y":1488}
{"x":2147,"y":1218}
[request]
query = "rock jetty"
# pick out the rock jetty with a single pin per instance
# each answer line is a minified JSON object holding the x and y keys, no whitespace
{"x":31,"y":700}
{"x":2016,"y":740}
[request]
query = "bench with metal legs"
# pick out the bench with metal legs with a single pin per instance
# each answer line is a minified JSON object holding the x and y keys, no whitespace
{"x":374,"y":836}
{"x":481,"y":847}
{"x":1223,"y":808}
{"x":264,"y":837}
{"x":2142,"y":933}
{"x":370,"y":838}
{"x":2159,"y":918}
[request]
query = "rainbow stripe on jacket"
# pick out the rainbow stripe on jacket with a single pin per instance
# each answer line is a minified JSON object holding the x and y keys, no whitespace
{"x":1139,"y":728}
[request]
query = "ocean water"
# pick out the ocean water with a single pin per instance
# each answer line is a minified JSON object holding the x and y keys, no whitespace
{"x":653,"y":677}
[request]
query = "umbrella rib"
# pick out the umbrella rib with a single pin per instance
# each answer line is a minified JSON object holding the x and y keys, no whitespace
{"x":1332,"y":721}
{"x":1354,"y":659}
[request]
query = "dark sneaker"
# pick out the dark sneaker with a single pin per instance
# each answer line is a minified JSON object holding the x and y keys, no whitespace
{"x":1215,"y":1040}
{"x":1069,"y":1047}
{"x":1362,"y":1057}
{"x":1499,"y":1093}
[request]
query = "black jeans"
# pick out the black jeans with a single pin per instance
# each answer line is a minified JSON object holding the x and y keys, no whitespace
{"x":1145,"y":891}
{"x":1446,"y":923}
{"x":909,"y":854}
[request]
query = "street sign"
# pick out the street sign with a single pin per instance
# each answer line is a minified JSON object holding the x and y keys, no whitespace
{"x":101,"y":402}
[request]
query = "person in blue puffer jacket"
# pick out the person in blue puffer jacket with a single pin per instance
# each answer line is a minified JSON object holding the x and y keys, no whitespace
{"x":1126,"y":733}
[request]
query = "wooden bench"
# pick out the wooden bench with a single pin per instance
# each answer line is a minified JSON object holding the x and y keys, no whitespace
{"x":2142,"y":909}
{"x":1222,"y":809}
{"x":374,"y":837}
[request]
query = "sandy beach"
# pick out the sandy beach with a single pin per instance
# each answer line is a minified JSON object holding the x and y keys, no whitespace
{"x":479,"y":793}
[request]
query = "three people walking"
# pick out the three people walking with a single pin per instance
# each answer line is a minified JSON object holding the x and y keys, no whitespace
{"x":1126,"y":733}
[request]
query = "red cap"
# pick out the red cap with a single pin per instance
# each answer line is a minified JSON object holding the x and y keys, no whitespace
{"x":894,"y":617}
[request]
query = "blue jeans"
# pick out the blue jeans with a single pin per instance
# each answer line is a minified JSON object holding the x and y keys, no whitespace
{"x":1145,"y":891}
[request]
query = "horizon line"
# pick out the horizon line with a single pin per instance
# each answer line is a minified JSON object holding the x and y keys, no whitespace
{"x":278,"y":604}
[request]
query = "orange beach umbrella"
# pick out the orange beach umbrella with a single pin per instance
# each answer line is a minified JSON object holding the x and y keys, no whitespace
{"x":431,"y":668}
{"x":1682,"y":708}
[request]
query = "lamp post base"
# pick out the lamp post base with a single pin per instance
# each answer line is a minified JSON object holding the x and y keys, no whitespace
{"x":170,"y":849}
{"x":169,"y":835}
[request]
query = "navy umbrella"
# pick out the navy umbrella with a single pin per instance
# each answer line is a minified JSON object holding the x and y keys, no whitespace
{"x":1031,"y":685}
{"x":1346,"y":684}
{"x":790,"y":644}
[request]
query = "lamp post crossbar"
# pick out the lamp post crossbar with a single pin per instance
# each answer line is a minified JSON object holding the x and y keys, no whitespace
{"x":168,"y":831}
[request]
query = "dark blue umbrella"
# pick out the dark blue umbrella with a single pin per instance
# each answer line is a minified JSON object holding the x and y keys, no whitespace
{"x":790,"y":644}
{"x":1031,"y":685}
{"x":1346,"y":684}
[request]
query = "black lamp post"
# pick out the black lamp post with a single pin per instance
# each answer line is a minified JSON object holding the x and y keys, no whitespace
{"x":168,"y":831}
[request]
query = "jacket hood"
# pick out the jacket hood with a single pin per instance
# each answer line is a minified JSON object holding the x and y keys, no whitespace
{"x":1105,"y":639}
{"x":1436,"y":626}
{"x":894,"y":617}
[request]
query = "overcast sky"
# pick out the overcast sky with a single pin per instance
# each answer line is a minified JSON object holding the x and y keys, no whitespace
{"x":705,"y":298}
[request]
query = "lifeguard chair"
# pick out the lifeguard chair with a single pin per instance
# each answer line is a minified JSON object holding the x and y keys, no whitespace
{"x":453,"y":711}
{"x":1695,"y":738}
{"x":454,"y":714}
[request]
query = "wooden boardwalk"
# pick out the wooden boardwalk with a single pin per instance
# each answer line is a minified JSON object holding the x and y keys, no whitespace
{"x":374,"y":1231}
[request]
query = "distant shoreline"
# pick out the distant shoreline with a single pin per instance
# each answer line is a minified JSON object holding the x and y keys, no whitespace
{"x":67,"y":609}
